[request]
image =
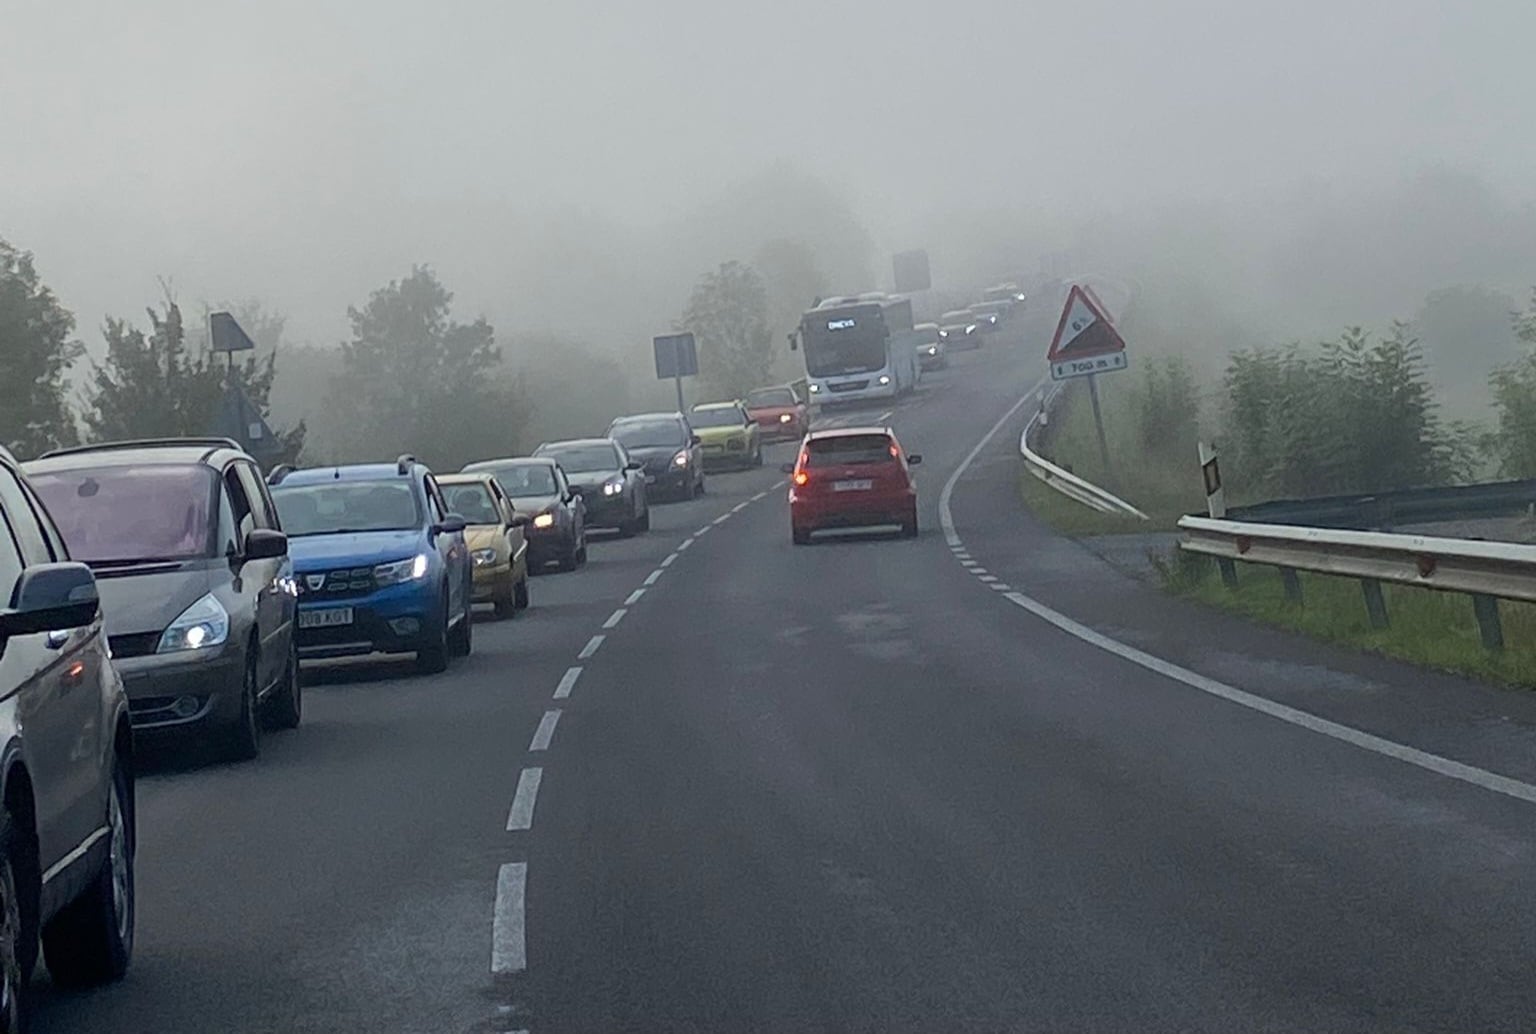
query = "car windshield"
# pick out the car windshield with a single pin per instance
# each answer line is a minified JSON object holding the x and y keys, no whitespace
{"x":842,"y":450}
{"x":331,"y":507}
{"x":583,"y":459}
{"x":521,"y":480}
{"x":473,"y":502}
{"x":123,"y":514}
{"x":728,"y":417}
{"x":765,"y":397}
{"x":649,"y":434}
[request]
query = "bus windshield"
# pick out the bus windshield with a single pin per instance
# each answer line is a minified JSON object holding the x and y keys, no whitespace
{"x":843,"y":342}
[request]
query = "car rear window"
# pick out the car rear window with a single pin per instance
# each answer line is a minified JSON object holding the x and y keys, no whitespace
{"x":130,"y":513}
{"x":849,"y":448}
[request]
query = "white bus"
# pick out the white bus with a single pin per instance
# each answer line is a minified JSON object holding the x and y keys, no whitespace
{"x":863,"y":347}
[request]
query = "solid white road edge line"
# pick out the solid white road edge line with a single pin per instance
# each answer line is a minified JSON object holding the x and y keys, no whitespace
{"x":634,"y":597}
{"x":652,"y":578}
{"x":509,"y":946}
{"x":615,"y":618}
{"x":546,"y":730}
{"x":567,"y":683}
{"x":524,"y":798}
{"x":593,"y":645}
{"x":1479,"y":777}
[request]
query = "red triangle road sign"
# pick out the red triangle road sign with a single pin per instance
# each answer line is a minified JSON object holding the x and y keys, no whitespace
{"x":1086,"y":342}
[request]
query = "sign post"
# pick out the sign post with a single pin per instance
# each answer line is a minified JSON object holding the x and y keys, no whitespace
{"x":1087,"y":344}
{"x":1216,"y":507}
{"x":677,"y":356}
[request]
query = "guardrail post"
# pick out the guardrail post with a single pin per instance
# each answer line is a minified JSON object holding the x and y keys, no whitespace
{"x":1228,"y":572}
{"x":1375,"y":603}
{"x":1488,"y":625}
{"x":1292,"y":582}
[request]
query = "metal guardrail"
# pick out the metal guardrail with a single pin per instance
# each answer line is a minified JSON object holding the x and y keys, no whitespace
{"x":1487,"y":571}
{"x":1064,"y":481}
{"x":1381,"y":510}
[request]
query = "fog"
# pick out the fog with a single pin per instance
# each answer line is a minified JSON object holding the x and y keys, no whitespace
{"x":1266,"y":170}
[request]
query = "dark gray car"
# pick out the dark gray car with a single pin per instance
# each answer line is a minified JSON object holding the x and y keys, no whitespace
{"x":195,"y":582}
{"x":672,"y":455}
{"x":610,"y":482}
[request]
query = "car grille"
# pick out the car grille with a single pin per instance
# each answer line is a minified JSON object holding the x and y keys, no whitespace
{"x":848,"y":386}
{"x":345,"y":581}
{"x":735,"y":445}
{"x":140,"y":644}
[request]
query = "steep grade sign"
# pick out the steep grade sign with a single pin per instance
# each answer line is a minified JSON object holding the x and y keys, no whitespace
{"x":1086,"y":342}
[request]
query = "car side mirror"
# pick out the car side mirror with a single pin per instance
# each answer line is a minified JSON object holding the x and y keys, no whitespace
{"x":634,"y":465}
{"x":521,"y":520}
{"x":575,"y":492}
{"x":265,"y":544}
{"x":452,"y":524}
{"x":915,"y":459}
{"x":786,"y":468}
{"x":51,"y":598}
{"x":695,"y":440}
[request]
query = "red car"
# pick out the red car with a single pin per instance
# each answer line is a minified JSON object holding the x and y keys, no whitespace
{"x":779,"y":413}
{"x":853,"y":477}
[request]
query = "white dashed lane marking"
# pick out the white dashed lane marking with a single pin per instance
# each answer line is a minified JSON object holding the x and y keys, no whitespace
{"x":509,"y":947}
{"x":653,"y":577}
{"x":615,"y":618}
{"x":523,"y":800}
{"x":567,"y":683}
{"x":721,"y":519}
{"x":634,"y":597}
{"x":593,"y":645}
{"x":546,"y":731}
{"x":683,"y":545}
{"x":669,"y":560}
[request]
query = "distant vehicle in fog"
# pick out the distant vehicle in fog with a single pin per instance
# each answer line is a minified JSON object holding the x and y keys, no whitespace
{"x":779,"y":413}
{"x":557,"y":532}
{"x":195,"y":579}
{"x":931,"y":354}
{"x":959,"y":328}
{"x":852,"y":478}
{"x":991,"y":315}
{"x":731,"y":437}
{"x":856,"y":348}
{"x":666,"y":444}
{"x":1008,"y":292}
{"x":610,"y":481}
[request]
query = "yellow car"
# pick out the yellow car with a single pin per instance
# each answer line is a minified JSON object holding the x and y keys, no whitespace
{"x":497,"y":543}
{"x":731,"y":437}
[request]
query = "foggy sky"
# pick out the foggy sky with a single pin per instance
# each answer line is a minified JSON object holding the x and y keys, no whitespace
{"x":305,"y":151}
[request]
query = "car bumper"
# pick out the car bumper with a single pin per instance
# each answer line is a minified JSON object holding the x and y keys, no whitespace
{"x":492,"y":582}
{"x":674,"y":479}
{"x":606,"y":511}
{"x":724,"y":458}
{"x":775,"y":431}
{"x":188,"y":688}
{"x":863,"y":513}
{"x":398,"y":619}
{"x":828,"y":397}
{"x":548,"y":545}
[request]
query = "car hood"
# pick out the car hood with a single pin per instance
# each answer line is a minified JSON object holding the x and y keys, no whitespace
{"x":653,"y":454}
{"x":589,"y":480}
{"x":137,"y":601}
{"x":534,"y":504}
{"x":721,"y":434}
{"x":318,"y":552}
{"x":772,"y":413}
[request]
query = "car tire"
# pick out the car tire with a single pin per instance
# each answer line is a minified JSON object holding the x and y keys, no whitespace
{"x":242,"y":738}
{"x":91,"y":940}
{"x":644,"y":523}
{"x":909,"y":526}
{"x":461,"y":639}
{"x":15,"y":941}
{"x":285,"y":708}
{"x":801,"y":536}
{"x":571,"y":560}
{"x":581,"y":554}
{"x":433,"y":660}
{"x":757,"y":456}
{"x":506,"y":607}
{"x":520,"y":594}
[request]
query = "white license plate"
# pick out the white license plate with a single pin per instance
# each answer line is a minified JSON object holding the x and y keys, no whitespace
{"x":852,"y":486}
{"x":328,"y":618}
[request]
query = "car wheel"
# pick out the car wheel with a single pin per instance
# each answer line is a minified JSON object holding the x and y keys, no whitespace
{"x":286,"y":706}
{"x":757,"y":455}
{"x":644,"y":523}
{"x":801,"y":536}
{"x":433,"y":659}
{"x":520,"y":594}
{"x":242,"y":740}
{"x":572,"y":558}
{"x":91,"y":940}
{"x":909,"y":526}
{"x":461,"y":638}
{"x":505,"y":607}
{"x":581,"y":554}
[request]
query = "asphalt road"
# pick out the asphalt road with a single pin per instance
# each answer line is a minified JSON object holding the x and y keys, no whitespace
{"x":857,"y":786}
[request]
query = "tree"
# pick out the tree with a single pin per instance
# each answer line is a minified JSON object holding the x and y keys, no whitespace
{"x":157,"y":385}
{"x":584,"y":389}
{"x":415,"y":380}
{"x":728,"y":315}
{"x":1514,"y":399}
{"x":36,"y":351}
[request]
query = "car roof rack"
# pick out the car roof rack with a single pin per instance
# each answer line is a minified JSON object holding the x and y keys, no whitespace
{"x":404,"y":464}
{"x":211,"y":442}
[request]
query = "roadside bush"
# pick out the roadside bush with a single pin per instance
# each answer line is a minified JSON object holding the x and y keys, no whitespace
{"x":1514,"y":399}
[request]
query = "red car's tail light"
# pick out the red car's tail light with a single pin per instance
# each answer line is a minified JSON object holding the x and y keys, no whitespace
{"x":801,"y":477}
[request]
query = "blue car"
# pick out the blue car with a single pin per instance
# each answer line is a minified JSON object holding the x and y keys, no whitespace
{"x":381,"y":564}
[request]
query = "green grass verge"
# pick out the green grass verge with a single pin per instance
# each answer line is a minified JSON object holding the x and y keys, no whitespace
{"x":1433,"y":629}
{"x":1071,"y":517}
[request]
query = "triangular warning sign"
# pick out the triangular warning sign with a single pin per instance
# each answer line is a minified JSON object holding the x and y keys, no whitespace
{"x":1084,"y":330}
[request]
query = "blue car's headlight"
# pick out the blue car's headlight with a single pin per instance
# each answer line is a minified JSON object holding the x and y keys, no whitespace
{"x":411,"y":569}
{"x":204,"y":624}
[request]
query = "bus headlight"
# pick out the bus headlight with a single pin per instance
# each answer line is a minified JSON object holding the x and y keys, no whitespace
{"x":815,"y":389}
{"x":884,"y":379}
